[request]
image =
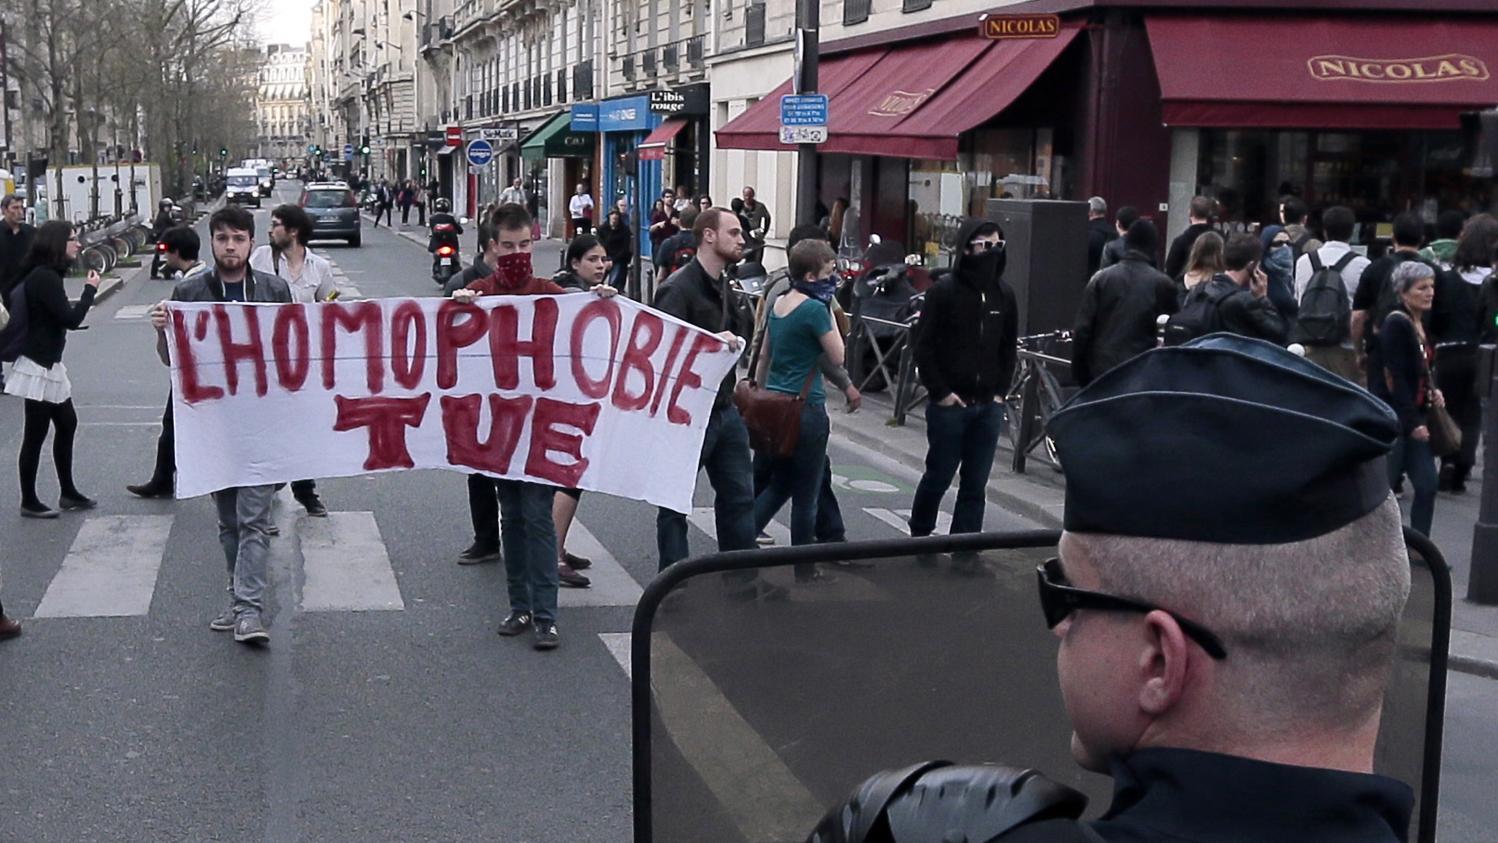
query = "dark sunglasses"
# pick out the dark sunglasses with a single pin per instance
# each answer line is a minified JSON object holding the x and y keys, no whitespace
{"x":1058,"y":600}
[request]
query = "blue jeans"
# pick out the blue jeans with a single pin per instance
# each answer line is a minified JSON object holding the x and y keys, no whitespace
{"x":244,"y":522}
{"x":830,"y":527}
{"x":798,"y":479}
{"x":1413,"y":457}
{"x":725,"y":455}
{"x":964,"y":437}
{"x":529,"y":540}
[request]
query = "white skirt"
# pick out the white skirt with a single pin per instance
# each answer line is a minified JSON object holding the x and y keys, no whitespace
{"x":26,"y":378}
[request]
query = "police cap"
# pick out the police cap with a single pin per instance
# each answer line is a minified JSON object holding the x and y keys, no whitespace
{"x":1224,"y":439}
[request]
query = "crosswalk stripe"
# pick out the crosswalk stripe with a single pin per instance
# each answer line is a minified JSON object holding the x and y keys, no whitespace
{"x":133,"y":311}
{"x":900,"y":519}
{"x":612,"y":585}
{"x":702,"y":518}
{"x":617,"y":644}
{"x":110,"y":570}
{"x":346,"y":565}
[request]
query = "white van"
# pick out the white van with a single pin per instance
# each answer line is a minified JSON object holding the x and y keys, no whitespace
{"x":243,"y":186}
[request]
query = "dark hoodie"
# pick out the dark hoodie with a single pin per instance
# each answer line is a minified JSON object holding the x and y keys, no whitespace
{"x":966,"y":340}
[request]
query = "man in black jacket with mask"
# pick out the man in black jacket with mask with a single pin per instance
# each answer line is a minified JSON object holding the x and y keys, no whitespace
{"x":965,"y":350}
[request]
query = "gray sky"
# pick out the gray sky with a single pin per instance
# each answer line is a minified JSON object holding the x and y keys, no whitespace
{"x":286,"y":22}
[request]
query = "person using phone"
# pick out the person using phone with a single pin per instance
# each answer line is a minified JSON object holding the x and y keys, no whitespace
{"x":1242,"y":293}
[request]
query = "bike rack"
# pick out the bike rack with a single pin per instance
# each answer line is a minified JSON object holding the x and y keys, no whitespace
{"x":894,"y":359}
{"x":1030,"y":408}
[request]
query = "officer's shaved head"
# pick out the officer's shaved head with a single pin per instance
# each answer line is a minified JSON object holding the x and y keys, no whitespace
{"x":1309,"y":628}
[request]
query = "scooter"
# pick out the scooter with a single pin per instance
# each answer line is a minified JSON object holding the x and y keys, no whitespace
{"x":444,"y":249}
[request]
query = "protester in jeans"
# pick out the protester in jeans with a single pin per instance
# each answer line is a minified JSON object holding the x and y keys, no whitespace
{"x":39,"y":375}
{"x":1200,"y":215}
{"x":801,"y":334}
{"x":587,"y":268}
{"x":526,"y":531}
{"x":700,"y":294}
{"x":1337,"y":223}
{"x":244,"y":512}
{"x":1119,"y":307}
{"x":965,"y":353}
{"x":310,"y":277}
{"x":830,"y":526}
{"x":1406,"y":354}
{"x":181,"y":259}
{"x":1455,"y":329}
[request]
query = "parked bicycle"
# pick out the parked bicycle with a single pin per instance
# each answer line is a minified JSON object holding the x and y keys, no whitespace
{"x":1042,"y":383}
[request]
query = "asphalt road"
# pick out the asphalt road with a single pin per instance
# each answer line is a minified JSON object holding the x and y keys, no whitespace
{"x":124,"y":718}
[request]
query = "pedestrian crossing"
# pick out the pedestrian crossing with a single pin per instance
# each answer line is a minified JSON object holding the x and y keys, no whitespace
{"x":112,"y":567}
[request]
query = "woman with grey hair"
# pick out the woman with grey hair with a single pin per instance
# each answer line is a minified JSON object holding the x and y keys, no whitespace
{"x":1406,"y":352}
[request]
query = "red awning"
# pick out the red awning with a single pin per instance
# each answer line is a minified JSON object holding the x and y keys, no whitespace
{"x":654,"y":146}
{"x":1345,"y":72}
{"x":908,"y":100}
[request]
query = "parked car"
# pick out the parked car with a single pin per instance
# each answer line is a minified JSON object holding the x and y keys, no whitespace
{"x":334,"y":211}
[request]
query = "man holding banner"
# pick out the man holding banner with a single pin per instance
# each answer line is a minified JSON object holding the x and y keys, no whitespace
{"x":244,"y":512}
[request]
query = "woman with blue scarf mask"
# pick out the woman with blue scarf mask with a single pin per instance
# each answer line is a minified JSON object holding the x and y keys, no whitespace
{"x":801,"y":330}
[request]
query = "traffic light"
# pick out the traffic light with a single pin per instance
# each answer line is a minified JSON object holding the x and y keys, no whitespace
{"x":364,"y":150}
{"x":223,"y":152}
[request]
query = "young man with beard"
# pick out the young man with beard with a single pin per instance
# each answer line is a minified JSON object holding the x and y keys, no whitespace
{"x":526,"y":530}
{"x":701,"y":294}
{"x":966,"y":352}
{"x":310,"y":278}
{"x":244,"y":513}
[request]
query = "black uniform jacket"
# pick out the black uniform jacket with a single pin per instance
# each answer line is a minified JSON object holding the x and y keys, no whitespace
{"x":1181,"y":795}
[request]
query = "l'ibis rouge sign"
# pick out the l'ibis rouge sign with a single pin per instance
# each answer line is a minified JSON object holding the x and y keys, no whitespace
{"x":1018,"y":27}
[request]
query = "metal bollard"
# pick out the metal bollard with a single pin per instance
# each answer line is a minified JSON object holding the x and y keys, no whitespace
{"x":1482,"y":585}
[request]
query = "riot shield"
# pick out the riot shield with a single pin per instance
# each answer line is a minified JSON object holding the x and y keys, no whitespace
{"x":759,"y":703}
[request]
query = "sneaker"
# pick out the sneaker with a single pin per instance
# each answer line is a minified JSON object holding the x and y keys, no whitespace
{"x":224,"y":622}
{"x":764,"y":539}
{"x":476,"y":553}
{"x":249,"y":630}
{"x":570,"y":578}
{"x":547,"y":637}
{"x":314,"y":506}
{"x":9,"y":627}
{"x":150,"y":490}
{"x":515,"y":623}
{"x":273,"y":530}
{"x":40,"y":510}
{"x":71,"y":503}
{"x":578,"y":563}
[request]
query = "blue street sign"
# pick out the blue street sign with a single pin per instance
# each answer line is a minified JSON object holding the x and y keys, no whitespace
{"x":803,"y":110}
{"x":480,"y":153}
{"x":348,"y":152}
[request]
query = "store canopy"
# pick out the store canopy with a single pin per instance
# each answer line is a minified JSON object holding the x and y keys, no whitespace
{"x":555,"y":139}
{"x":654,"y":146}
{"x":1344,"y":72}
{"x":908,"y":100}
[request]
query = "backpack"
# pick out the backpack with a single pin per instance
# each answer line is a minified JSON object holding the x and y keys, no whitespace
{"x":13,"y":335}
{"x":1298,"y":247}
{"x":680,"y":256}
{"x":1199,"y":314}
{"x":1325,"y":309}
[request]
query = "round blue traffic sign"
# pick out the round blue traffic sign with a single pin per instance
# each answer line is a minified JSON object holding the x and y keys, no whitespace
{"x":480,"y":153}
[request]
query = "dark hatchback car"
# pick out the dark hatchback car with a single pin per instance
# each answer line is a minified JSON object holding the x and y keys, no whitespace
{"x":334,"y":211}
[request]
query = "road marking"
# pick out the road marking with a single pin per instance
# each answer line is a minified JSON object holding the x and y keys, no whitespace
{"x":133,"y":311}
{"x":755,"y":787}
{"x":110,"y":571}
{"x":900,"y":519}
{"x":347,"y":567}
{"x":846,"y":587}
{"x":612,"y":585}
{"x":702,"y":518}
{"x":617,"y":644}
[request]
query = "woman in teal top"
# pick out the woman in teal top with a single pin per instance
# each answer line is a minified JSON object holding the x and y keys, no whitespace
{"x":801,"y":331}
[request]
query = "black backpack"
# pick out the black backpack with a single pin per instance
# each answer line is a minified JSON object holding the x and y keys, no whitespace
{"x":1199,"y":314}
{"x":13,"y":335}
{"x":1325,"y":309}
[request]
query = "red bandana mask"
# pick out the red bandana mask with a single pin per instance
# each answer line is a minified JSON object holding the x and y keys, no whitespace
{"x":513,"y":271}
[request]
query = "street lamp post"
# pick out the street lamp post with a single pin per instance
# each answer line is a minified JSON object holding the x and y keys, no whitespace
{"x":808,"y":35}
{"x":1482,"y":584}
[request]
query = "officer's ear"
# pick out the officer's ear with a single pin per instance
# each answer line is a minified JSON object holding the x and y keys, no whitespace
{"x":1166,"y":664}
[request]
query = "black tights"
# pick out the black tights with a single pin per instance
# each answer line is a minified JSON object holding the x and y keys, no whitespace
{"x":39,"y":416}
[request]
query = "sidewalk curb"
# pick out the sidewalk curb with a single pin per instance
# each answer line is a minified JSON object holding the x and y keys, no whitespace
{"x":1472,"y":666}
{"x":1462,"y":657}
{"x":1024,"y":498}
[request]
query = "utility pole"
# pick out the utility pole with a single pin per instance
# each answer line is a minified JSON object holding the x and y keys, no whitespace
{"x":808,"y":36}
{"x":1482,"y":584}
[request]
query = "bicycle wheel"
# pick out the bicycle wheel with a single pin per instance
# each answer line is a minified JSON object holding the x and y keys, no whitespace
{"x":122,"y":247}
{"x":93,"y":259}
{"x":110,"y":256}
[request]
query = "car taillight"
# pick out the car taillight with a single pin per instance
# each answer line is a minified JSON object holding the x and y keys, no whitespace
{"x":445,"y":251}
{"x":161,"y":247}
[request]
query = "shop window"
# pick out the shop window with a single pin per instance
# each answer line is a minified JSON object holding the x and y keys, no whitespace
{"x":855,"y":11}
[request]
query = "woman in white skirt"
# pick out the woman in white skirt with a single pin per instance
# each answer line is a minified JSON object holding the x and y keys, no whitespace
{"x":38,"y":374}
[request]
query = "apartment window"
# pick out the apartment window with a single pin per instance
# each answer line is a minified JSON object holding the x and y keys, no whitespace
{"x":754,"y":22}
{"x":855,"y":11}
{"x":915,"y":5}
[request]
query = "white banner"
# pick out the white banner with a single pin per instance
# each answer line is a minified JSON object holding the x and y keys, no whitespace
{"x":574,"y":390}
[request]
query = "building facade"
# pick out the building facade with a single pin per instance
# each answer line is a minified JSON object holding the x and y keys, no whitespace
{"x":282,"y":106}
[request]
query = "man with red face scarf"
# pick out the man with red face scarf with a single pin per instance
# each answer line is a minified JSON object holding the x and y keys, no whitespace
{"x":526,"y":531}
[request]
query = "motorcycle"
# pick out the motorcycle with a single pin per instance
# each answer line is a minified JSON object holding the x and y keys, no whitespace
{"x":444,"y":248}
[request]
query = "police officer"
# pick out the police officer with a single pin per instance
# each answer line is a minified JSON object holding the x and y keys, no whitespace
{"x":1229,"y":587}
